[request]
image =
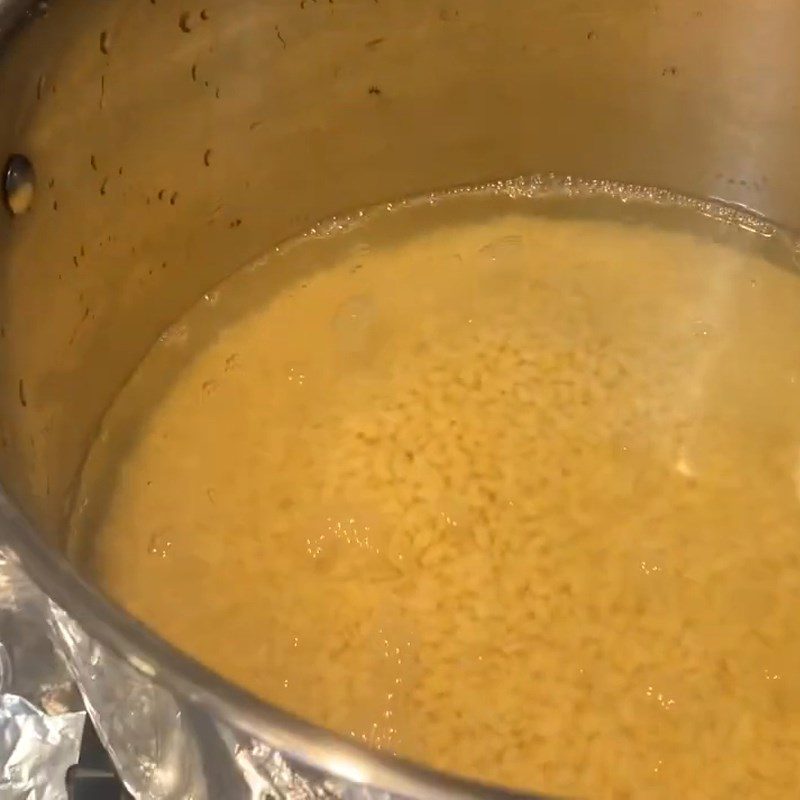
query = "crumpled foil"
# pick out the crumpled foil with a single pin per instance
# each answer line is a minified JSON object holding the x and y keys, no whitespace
{"x":40,"y":721}
{"x":139,"y":723}
{"x":269,"y":776}
{"x":36,"y":749}
{"x":164,"y":747}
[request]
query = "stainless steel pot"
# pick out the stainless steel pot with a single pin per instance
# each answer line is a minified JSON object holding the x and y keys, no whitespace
{"x":174,"y":142}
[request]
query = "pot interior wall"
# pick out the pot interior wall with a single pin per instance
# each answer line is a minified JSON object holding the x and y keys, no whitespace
{"x":175,"y":142}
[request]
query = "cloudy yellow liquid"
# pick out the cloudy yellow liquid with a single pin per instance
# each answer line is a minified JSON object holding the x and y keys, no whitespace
{"x":508,"y":490}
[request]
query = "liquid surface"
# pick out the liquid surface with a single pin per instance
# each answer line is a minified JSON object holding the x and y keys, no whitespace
{"x":504,"y":487}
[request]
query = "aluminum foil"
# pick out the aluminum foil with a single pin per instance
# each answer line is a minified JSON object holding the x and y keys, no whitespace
{"x":147,"y":735}
{"x":269,"y":775}
{"x":36,"y":749}
{"x":40,"y":718}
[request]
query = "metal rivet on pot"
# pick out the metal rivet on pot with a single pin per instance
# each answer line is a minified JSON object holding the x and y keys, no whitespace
{"x":19,"y":180}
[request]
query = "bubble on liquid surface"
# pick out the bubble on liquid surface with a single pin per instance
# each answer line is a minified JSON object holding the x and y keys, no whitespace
{"x":159,"y":545}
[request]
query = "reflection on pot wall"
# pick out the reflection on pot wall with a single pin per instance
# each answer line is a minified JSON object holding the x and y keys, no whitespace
{"x":175,"y":143}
